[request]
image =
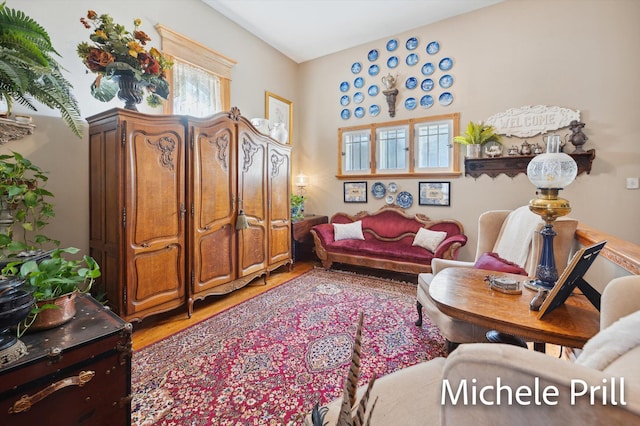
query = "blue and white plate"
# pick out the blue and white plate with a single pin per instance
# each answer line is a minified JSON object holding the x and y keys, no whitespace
{"x":392,"y":45}
{"x":358,"y":83}
{"x":373,"y":55}
{"x":374,"y":110}
{"x":392,"y":62}
{"x":445,"y":64}
{"x":433,"y":48}
{"x":378,"y":190}
{"x":345,"y":100}
{"x":412,"y":59}
{"x":412,"y":43}
{"x":427,"y":84}
{"x":445,"y":99}
{"x":411,"y":83}
{"x":374,"y":70}
{"x":446,"y":81}
{"x":404,"y":199}
{"x":410,"y":103}
{"x":358,"y":112}
{"x":344,"y":86}
{"x":428,"y":68}
{"x":373,"y":90}
{"x":392,"y":187}
{"x":356,"y":67}
{"x":345,"y":114}
{"x":426,"y":101}
{"x":358,"y":97}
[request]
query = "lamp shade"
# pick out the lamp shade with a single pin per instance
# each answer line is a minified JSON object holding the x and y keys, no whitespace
{"x":553,"y":169}
{"x":302,"y":180}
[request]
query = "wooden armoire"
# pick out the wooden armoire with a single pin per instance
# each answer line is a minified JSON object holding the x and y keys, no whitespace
{"x":165,"y":196}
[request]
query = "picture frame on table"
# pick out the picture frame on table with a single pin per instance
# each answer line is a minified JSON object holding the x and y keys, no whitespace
{"x":355,"y":192}
{"x":434,"y":193}
{"x":279,"y":110}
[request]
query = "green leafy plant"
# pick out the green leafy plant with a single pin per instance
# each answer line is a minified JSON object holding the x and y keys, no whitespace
{"x":478,"y":134}
{"x":23,"y":199}
{"x":115,"y":50}
{"x":29,"y":71}
{"x":53,"y":277}
{"x":297,"y":206}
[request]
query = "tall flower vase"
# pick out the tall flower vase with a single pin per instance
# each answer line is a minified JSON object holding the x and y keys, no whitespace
{"x":130,"y":91}
{"x":474,"y":151}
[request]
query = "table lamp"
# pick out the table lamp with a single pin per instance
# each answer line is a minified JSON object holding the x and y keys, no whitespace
{"x":550,"y":172}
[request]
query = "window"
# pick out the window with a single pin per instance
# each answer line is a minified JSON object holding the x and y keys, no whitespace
{"x":409,"y":148}
{"x":200,"y":78}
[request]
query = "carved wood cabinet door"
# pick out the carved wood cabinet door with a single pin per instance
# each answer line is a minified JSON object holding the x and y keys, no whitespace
{"x":279,"y":205}
{"x":155,"y":206}
{"x":213,"y":200}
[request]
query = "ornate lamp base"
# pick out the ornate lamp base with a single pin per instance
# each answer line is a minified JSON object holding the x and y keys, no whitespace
{"x":13,"y":350}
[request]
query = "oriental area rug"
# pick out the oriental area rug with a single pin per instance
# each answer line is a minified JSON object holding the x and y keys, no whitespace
{"x":268,"y":360}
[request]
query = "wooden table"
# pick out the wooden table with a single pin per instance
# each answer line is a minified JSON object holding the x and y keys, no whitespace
{"x":301,"y":239}
{"x":462,"y":293}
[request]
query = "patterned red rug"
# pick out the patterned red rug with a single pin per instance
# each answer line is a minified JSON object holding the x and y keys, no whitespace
{"x":268,"y":360}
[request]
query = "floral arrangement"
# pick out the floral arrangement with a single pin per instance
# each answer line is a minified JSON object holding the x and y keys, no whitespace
{"x":114,"y":51}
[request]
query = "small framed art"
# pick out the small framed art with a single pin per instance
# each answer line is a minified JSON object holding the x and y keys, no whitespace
{"x":279,"y":110}
{"x":355,"y":192}
{"x":434,"y":193}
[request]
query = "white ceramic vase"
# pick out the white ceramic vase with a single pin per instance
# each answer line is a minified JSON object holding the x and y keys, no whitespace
{"x":279,"y":132}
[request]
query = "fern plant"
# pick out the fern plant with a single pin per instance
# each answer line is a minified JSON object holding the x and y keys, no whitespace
{"x":478,"y":134}
{"x":28,"y":70}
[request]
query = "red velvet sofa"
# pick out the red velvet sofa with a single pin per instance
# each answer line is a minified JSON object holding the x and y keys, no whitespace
{"x":388,"y":241}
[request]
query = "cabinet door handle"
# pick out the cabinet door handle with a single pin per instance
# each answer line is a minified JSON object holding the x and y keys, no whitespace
{"x":26,"y":401}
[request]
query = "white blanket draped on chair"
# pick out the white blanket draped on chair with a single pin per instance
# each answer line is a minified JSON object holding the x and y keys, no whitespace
{"x":519,"y":226}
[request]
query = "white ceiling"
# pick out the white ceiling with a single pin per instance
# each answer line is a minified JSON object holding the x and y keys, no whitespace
{"x":308,"y":29}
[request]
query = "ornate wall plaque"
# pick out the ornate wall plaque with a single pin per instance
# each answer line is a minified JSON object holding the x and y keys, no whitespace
{"x":528,"y":121}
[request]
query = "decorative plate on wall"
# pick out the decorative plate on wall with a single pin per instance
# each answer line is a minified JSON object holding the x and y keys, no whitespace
{"x":392,"y":187}
{"x":374,"y":70}
{"x":358,"y":97}
{"x":404,"y":199}
{"x":345,"y":100}
{"x":428,"y":68}
{"x":412,"y":59}
{"x":392,"y":45}
{"x":445,"y":64}
{"x":358,"y":83}
{"x":433,"y":48}
{"x":410,"y":103}
{"x":373,"y":55}
{"x":345,"y":114}
{"x":344,"y":86}
{"x":356,"y":67}
{"x":446,"y":81}
{"x":427,"y":84}
{"x":358,"y":112}
{"x":445,"y":99}
{"x":373,"y":90}
{"x":378,"y":190}
{"x":374,"y":110}
{"x":412,"y":43}
{"x":411,"y":83}
{"x":426,"y":101}
{"x":392,"y":62}
{"x":389,"y":199}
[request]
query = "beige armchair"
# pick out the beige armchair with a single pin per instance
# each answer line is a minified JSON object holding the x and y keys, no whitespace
{"x":414,"y":395}
{"x":491,"y":238}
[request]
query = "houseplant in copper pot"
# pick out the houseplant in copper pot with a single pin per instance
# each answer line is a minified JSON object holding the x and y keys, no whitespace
{"x":56,"y":281}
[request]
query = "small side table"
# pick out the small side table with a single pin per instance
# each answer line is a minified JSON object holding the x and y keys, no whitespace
{"x":301,"y":239}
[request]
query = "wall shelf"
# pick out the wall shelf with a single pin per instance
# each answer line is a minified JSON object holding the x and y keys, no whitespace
{"x":11,"y":130}
{"x":516,"y":164}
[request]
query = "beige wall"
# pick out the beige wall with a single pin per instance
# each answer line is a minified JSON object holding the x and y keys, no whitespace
{"x":54,"y":148}
{"x":576,"y":54}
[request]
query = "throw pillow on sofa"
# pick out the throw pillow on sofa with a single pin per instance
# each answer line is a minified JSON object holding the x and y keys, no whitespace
{"x":493,"y":262}
{"x":428,"y":239}
{"x":348,"y":231}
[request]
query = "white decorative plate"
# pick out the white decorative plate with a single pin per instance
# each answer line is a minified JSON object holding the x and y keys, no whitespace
{"x":404,"y":199}
{"x":426,"y":101}
{"x":392,"y":187}
{"x":389,"y":199}
{"x":445,"y":99}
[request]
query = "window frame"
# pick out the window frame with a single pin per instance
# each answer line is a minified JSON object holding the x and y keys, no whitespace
{"x":180,"y":48}
{"x":453,"y":171}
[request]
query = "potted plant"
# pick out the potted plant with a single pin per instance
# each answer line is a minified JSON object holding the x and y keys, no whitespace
{"x":297,"y":206}
{"x":28,"y":70}
{"x":476,"y":135}
{"x":56,"y":281}
{"x":25,"y":206}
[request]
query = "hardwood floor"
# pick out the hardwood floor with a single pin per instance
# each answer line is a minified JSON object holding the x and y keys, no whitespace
{"x":160,"y":326}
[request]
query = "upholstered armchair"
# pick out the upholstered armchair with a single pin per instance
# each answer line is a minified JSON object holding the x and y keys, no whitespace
{"x":607,"y":364}
{"x":513,"y":235}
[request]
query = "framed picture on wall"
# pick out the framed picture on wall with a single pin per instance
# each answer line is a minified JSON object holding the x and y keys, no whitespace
{"x":434,"y":193}
{"x":355,"y":192}
{"x":279,"y":110}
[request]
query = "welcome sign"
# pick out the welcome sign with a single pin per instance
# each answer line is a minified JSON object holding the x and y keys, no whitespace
{"x":528,"y":121}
